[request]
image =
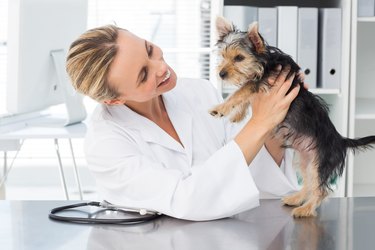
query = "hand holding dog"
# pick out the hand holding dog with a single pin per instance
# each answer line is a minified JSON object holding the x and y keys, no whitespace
{"x":269,"y":108}
{"x":274,"y":144}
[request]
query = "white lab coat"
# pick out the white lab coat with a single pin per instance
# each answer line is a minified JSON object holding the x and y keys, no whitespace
{"x":137,"y":164}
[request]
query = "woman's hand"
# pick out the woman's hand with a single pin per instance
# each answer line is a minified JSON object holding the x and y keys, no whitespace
{"x":269,"y":108}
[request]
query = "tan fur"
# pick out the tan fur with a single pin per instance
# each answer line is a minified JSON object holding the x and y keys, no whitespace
{"x":311,"y":194}
{"x":238,"y":73}
{"x":255,"y":38}
{"x":298,"y":198}
{"x":235,"y":100}
{"x":316,"y":194}
{"x":241,"y":112}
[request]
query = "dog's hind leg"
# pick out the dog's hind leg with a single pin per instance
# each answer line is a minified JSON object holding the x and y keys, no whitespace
{"x":317,"y":195}
{"x":298,"y":198}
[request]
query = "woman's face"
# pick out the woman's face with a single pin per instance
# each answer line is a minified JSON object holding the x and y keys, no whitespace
{"x":138,"y":71}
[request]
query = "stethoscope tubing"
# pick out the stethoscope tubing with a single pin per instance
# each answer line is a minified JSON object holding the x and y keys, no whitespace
{"x":129,"y":221}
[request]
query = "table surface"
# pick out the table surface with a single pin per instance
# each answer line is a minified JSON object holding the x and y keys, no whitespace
{"x":342,"y":223}
{"x":19,"y":131}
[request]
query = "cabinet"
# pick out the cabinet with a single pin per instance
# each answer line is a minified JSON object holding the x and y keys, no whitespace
{"x":361,"y":166}
{"x":338,"y":99}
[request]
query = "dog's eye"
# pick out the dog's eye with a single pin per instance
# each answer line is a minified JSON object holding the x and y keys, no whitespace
{"x":239,"y":58}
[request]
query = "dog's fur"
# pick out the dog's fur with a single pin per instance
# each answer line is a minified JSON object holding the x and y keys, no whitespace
{"x":247,"y":61}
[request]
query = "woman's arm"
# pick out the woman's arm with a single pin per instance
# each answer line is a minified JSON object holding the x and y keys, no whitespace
{"x":218,"y":187}
{"x":274,"y":144}
{"x":268,"y":110}
{"x":274,"y":147}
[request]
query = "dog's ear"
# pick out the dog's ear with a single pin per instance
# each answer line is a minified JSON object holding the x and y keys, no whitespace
{"x":256,"y":38}
{"x":223,"y":27}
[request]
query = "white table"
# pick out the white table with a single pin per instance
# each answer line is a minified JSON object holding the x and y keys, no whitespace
{"x":11,"y":134}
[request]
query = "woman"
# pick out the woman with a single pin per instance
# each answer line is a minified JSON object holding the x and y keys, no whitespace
{"x":152,"y":143}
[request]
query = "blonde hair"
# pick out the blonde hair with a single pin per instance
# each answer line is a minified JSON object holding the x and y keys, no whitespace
{"x":88,"y":62}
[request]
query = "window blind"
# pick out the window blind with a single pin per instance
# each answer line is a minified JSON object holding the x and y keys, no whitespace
{"x":181,"y":28}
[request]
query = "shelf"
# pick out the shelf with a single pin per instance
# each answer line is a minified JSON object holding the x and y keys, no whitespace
{"x":370,"y":19}
{"x":365,"y":108}
{"x":319,"y":91}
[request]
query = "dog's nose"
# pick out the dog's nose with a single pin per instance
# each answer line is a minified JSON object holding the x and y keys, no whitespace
{"x":223,"y":74}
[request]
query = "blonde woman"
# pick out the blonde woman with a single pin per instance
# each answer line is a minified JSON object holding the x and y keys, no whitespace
{"x":153,"y":144}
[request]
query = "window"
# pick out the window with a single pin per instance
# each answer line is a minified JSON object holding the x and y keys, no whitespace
{"x":181,"y":28}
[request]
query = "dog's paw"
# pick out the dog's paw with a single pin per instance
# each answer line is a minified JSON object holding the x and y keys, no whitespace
{"x":304,"y":211}
{"x":292,"y":200}
{"x":215,"y":113}
{"x":219,"y":111}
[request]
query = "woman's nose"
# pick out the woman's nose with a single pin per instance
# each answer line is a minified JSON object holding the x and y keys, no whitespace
{"x":161,"y":68}
{"x":158,"y":62}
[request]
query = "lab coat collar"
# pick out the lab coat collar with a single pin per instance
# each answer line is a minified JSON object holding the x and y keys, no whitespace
{"x":182,"y":121}
{"x":150,"y":132}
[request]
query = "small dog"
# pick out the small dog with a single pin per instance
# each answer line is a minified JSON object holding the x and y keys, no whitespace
{"x":247,"y":61}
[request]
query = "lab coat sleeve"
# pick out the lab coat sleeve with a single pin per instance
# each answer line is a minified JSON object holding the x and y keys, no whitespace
{"x":220,"y":187}
{"x":270,"y":179}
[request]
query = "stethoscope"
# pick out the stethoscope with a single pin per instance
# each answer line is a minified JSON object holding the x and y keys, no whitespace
{"x":138,"y":215}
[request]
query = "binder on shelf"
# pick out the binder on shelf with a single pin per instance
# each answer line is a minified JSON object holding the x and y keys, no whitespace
{"x":329,"y":48}
{"x":241,"y":16}
{"x":267,"y":21}
{"x":307,"y":44}
{"x":366,"y":8}
{"x":287,"y":18}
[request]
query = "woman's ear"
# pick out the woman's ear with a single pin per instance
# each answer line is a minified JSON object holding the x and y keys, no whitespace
{"x":256,"y":38}
{"x":223,"y":27}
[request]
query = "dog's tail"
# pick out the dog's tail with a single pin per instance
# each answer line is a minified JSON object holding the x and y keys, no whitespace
{"x":332,"y":164}
{"x":359,"y":143}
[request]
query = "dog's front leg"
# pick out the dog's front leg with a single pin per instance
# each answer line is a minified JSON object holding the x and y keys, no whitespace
{"x":240,"y":111}
{"x":239,"y":101}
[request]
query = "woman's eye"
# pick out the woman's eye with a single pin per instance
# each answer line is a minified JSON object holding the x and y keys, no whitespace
{"x":239,"y":58}
{"x":144,"y":75}
{"x":150,"y":50}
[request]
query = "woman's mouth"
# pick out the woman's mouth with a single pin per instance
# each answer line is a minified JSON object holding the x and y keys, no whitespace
{"x":166,"y":78}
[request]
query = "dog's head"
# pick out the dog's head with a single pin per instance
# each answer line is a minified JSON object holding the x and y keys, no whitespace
{"x":240,"y":53}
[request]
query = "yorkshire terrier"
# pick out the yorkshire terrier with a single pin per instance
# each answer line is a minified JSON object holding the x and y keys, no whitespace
{"x":247,"y":61}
